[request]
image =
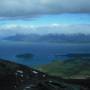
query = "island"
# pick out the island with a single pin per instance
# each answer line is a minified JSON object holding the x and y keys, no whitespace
{"x":25,"y":56}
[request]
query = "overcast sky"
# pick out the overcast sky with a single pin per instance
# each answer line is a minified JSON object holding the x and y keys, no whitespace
{"x":44,"y":16}
{"x":27,"y":8}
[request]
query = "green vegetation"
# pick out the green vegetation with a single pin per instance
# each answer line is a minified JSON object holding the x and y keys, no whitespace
{"x":25,"y":56}
{"x":72,"y":68}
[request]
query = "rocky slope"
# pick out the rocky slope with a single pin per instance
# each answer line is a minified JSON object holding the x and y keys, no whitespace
{"x":20,"y":77}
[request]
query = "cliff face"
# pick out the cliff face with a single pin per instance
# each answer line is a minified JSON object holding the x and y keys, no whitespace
{"x":19,"y":77}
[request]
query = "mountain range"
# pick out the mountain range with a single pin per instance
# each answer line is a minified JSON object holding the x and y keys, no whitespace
{"x":50,"y":38}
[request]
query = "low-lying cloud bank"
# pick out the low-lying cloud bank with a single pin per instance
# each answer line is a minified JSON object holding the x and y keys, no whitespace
{"x":12,"y":29}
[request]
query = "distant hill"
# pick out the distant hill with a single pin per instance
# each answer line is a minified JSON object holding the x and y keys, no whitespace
{"x":77,"y":38}
{"x":78,"y":67}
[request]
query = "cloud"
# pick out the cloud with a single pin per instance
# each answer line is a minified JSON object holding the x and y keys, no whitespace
{"x":12,"y":29}
{"x":31,"y":8}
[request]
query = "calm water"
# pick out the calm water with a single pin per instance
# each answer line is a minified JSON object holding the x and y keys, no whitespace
{"x":43,"y":52}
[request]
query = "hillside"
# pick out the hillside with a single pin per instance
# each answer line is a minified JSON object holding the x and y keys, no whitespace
{"x":15,"y":76}
{"x":71,"y":68}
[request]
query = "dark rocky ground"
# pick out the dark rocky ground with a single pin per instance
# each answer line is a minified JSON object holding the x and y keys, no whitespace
{"x":20,"y":77}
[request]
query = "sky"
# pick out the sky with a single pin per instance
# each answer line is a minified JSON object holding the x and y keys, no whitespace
{"x":44,"y":16}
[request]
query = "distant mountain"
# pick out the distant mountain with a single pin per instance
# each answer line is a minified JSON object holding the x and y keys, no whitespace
{"x":66,"y":38}
{"x":50,"y":38}
{"x":23,"y":37}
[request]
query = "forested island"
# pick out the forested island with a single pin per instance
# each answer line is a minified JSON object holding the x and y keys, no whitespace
{"x":24,"y":56}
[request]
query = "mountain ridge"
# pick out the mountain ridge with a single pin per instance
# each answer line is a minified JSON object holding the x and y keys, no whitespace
{"x":50,"y":38}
